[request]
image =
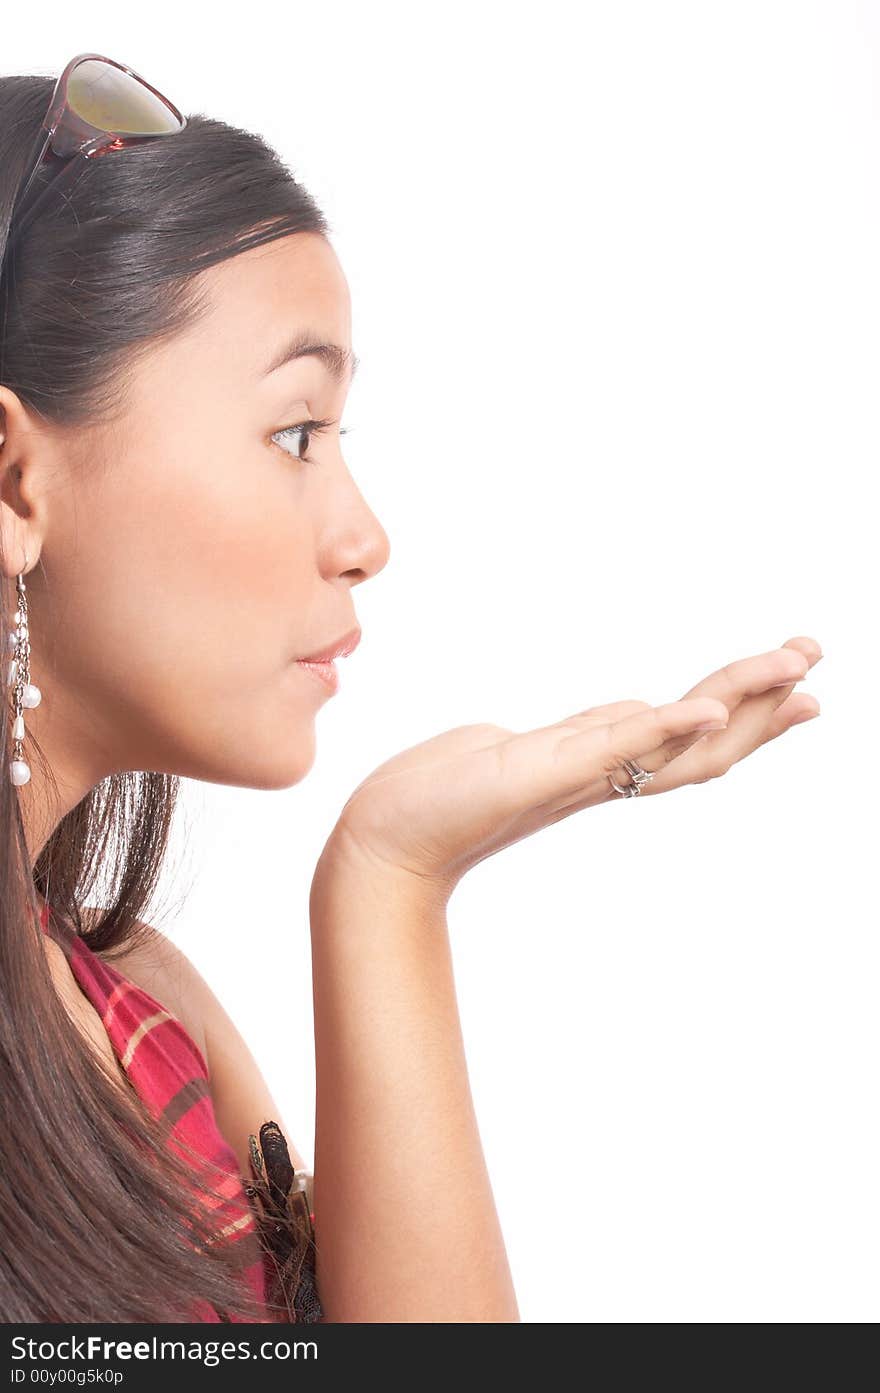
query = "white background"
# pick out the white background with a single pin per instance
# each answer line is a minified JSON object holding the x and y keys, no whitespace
{"x":615,"y":291}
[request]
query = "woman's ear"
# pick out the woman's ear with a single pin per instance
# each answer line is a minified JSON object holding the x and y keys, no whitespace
{"x":21,"y":472}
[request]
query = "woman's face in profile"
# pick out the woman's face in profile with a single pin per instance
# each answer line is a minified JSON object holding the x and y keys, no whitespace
{"x":205,"y":545}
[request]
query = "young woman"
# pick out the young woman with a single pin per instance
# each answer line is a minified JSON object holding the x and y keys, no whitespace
{"x":181,"y":542}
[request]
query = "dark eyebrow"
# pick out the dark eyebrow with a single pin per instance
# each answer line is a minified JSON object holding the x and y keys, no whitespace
{"x":337,"y":360}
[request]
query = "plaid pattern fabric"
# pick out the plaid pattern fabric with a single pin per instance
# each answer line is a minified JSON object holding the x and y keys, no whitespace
{"x":168,"y":1070}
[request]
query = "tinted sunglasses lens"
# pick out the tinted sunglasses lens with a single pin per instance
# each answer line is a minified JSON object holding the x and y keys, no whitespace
{"x":113,"y":100}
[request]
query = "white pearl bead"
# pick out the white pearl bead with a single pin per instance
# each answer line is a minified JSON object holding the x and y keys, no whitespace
{"x":18,"y":728}
{"x":31,"y":696}
{"x":13,"y":641}
{"x":20,"y":771}
{"x":13,"y":669}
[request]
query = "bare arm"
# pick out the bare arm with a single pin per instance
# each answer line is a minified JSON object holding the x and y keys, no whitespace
{"x":405,"y":1221}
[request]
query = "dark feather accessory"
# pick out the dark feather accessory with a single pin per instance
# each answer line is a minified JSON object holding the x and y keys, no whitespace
{"x":286,"y":1229}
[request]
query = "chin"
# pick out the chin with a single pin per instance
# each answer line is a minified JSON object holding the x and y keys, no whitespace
{"x":255,"y":760}
{"x":281,"y":769}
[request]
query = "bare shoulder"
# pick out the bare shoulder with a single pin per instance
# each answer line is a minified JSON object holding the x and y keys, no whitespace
{"x":240,"y":1095}
{"x":161,"y":968}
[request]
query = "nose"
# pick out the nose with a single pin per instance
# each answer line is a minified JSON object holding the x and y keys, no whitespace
{"x":363,"y":544}
{"x":373,"y":559}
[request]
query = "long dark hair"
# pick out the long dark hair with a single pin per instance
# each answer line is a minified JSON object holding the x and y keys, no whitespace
{"x":96,"y":1211}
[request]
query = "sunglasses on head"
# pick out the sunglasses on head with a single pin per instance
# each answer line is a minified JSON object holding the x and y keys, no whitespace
{"x":97,"y":106}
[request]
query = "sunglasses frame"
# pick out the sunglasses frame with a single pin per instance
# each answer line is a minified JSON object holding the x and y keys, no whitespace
{"x":69,"y":140}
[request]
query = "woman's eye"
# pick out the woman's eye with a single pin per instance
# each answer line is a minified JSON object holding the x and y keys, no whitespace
{"x":303,"y":433}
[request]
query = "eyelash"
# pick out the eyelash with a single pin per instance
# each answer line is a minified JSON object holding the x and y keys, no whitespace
{"x":307,"y":428}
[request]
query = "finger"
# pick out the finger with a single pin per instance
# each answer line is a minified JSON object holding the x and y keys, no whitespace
{"x":794,"y":711}
{"x":751,"y":699}
{"x":751,"y":676}
{"x":695,"y":756}
{"x":756,"y":721}
{"x":739,"y":679}
{"x":673,"y":749}
{"x":810,"y":647}
{"x":753,"y":705}
{"x":600,"y":715}
{"x":798,"y":708}
{"x":543,"y":765}
{"x":614,"y":710}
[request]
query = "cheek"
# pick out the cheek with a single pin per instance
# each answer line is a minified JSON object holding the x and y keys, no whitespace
{"x":196,"y":575}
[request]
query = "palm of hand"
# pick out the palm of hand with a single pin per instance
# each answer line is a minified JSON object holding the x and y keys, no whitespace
{"x":437,"y":809}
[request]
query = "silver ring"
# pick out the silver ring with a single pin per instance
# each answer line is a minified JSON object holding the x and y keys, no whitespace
{"x":638,"y":775}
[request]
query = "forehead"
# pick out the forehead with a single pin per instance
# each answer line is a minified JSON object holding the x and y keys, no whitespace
{"x":293,"y":278}
{"x":255,"y":302}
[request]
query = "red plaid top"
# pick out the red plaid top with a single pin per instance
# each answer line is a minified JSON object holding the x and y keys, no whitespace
{"x":168,"y":1070}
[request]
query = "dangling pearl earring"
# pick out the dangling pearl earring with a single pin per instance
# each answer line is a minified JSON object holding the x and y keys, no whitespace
{"x":19,"y":678}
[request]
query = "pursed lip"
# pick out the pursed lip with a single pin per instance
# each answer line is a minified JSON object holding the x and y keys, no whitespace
{"x":340,"y":649}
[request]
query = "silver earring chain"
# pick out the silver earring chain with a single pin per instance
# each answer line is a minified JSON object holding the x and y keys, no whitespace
{"x":24,"y":693}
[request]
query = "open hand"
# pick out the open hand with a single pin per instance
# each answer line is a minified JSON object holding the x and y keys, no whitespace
{"x":444,"y":805}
